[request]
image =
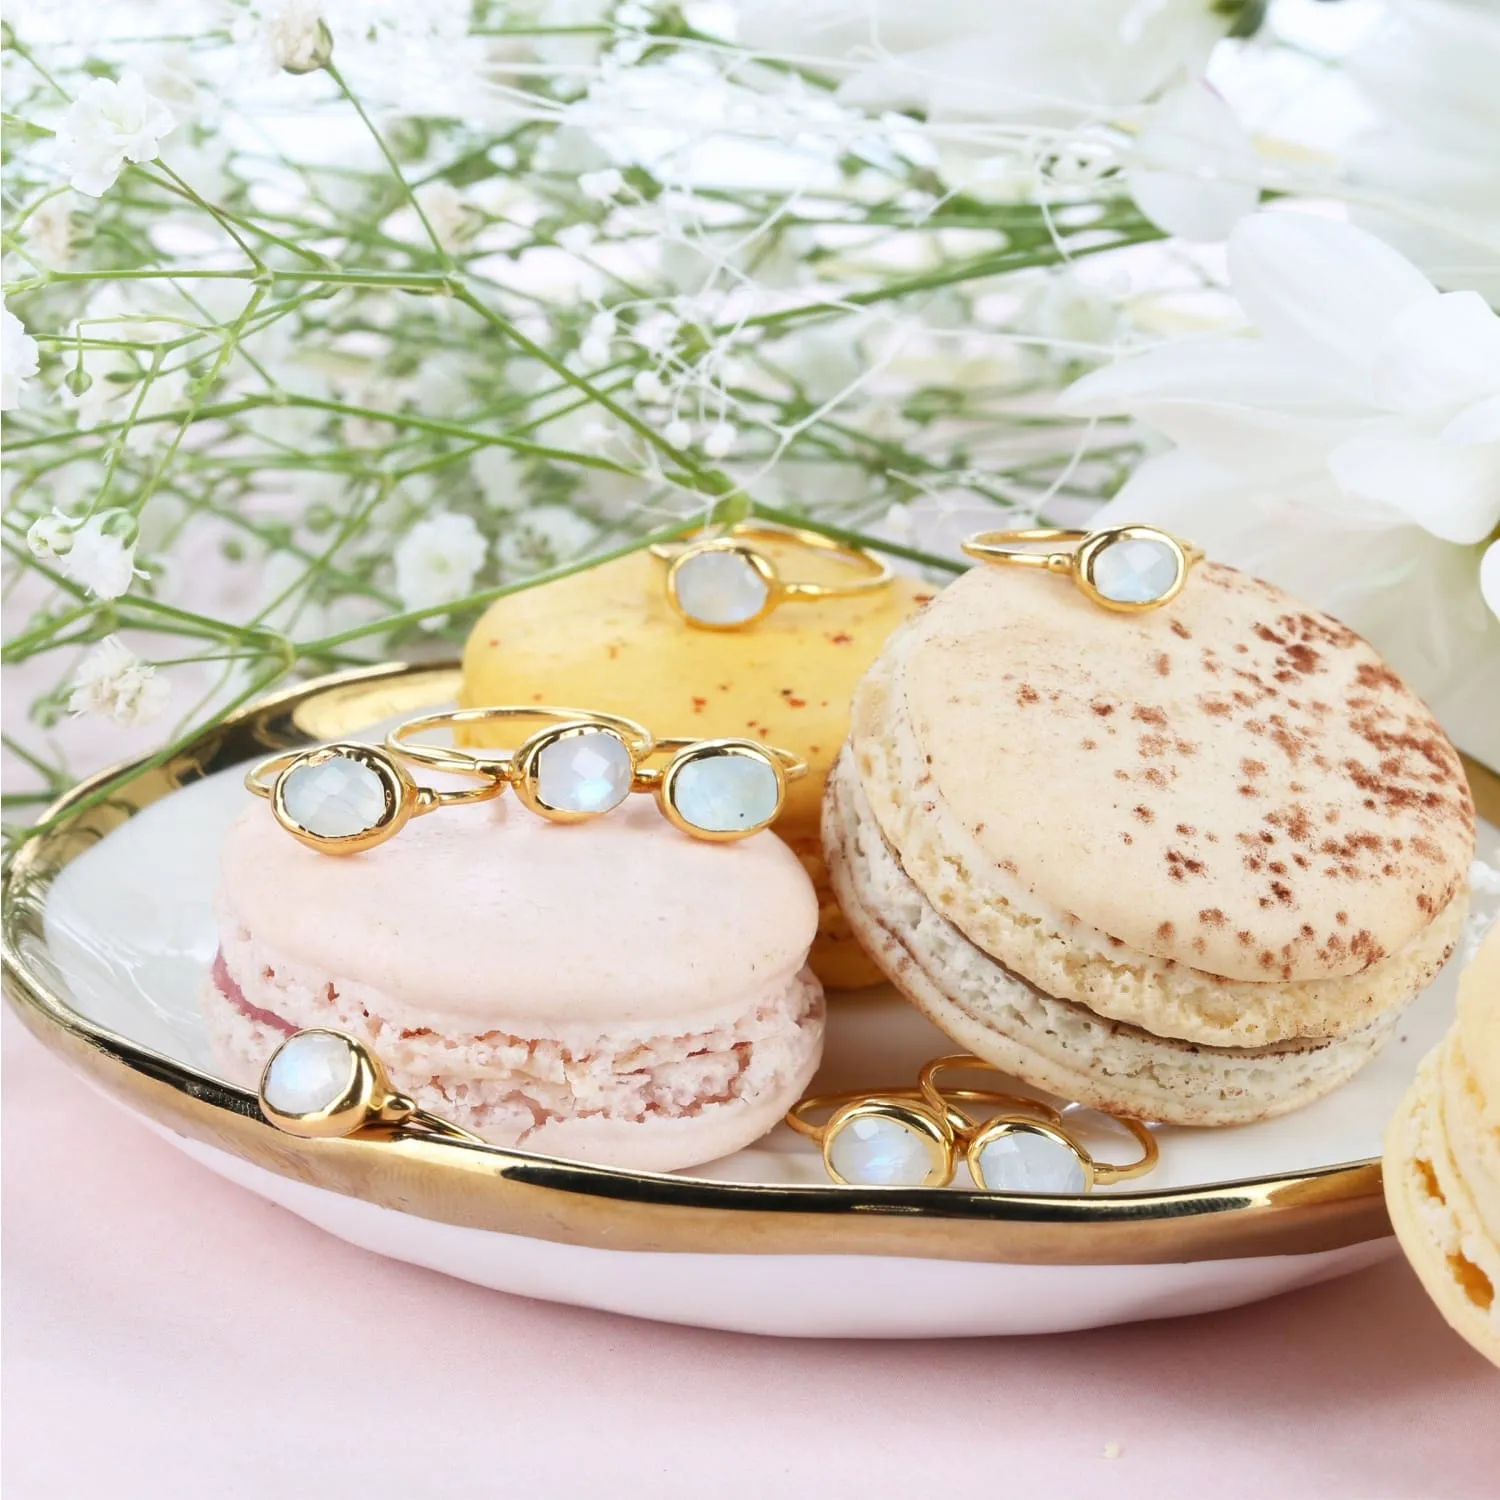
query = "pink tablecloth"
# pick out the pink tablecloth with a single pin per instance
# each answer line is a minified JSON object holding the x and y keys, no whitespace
{"x":168,"y":1335}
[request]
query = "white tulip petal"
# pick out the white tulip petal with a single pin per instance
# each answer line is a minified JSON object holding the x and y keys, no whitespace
{"x":1438,"y":352}
{"x":1322,"y":289}
{"x":1448,"y":489}
{"x":1479,"y":423}
{"x":1489,"y":577}
{"x":1193,"y":170}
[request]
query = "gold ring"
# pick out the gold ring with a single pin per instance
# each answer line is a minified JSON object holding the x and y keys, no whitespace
{"x":579,"y":766}
{"x":321,"y":1083}
{"x":720,"y":790}
{"x":897,"y":1137}
{"x":1008,"y":1149}
{"x":345,"y":797}
{"x":721,"y":582}
{"x":1128,"y":569}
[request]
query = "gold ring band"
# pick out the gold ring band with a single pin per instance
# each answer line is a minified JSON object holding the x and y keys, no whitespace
{"x":502,"y":763}
{"x":367,"y":796}
{"x":995,"y":1130}
{"x":1128,"y":569}
{"x":722,"y":582}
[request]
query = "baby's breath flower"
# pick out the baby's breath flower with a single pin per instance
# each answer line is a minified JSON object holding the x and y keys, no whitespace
{"x":297,"y":37}
{"x":543,"y":537}
{"x":720,"y":440}
{"x":107,"y":125}
{"x":437,"y":560}
{"x":114,"y":682}
{"x":100,"y":559}
{"x":18,"y":358}
{"x":602,"y":186}
{"x":49,"y":537}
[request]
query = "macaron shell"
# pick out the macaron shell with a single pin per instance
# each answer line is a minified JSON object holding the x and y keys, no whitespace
{"x":1435,"y":1217}
{"x":1235,"y":782}
{"x":486,"y":911}
{"x":606,"y":638}
{"x":1479,"y":1022}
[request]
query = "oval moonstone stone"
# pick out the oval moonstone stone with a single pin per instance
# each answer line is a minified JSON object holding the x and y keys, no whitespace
{"x":584,"y":773}
{"x":1134,"y":570}
{"x":880,"y":1152}
{"x":1026,"y":1161}
{"x":310,"y":1073}
{"x":719,"y":588}
{"x":334,"y":798}
{"x":725,"y":793}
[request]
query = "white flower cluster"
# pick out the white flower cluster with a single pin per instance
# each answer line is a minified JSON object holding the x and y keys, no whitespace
{"x":113,"y":682}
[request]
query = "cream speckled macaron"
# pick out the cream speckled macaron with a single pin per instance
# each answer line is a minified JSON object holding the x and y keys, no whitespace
{"x":1442,"y":1162}
{"x":1188,"y":864}
{"x":613,"y":991}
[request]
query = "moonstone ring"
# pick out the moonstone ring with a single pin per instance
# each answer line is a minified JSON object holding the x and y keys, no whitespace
{"x":1128,"y":569}
{"x":724,"y":582}
{"x":321,"y":1083}
{"x":584,"y":764}
{"x":346,"y":797}
{"x":1016,"y":1153}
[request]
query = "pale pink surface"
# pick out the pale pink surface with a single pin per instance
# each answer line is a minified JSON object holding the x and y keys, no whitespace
{"x":166,"y":1334}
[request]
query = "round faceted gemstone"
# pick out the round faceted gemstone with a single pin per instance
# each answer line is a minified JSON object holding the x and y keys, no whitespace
{"x":1135,"y":570}
{"x":719,"y":588}
{"x":1030,"y":1161}
{"x":311,"y":1072}
{"x":725,"y":793}
{"x":584,"y":773}
{"x":879,"y":1151}
{"x":335,"y":798}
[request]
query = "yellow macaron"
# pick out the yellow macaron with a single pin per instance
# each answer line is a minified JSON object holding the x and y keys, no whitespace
{"x":1442,"y":1163}
{"x":607,"y":638}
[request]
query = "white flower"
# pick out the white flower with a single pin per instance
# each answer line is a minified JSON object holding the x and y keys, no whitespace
{"x":602,"y":186}
{"x":719,"y":440}
{"x":1193,"y":170}
{"x":107,"y":125}
{"x":114,"y":682}
{"x":18,"y":358}
{"x":49,"y":232}
{"x":437,"y":560}
{"x":99,"y":559}
{"x":49,"y":537}
{"x":1051,"y":63}
{"x":1350,"y":452}
{"x":293,"y":36}
{"x":1428,"y":72}
{"x":500,"y":477}
{"x":543,"y":537}
{"x":448,"y":211}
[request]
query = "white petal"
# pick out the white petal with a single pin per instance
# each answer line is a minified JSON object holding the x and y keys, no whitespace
{"x":1479,"y":423}
{"x":1193,"y":169}
{"x":1322,"y":290}
{"x":1438,"y":352}
{"x":1449,"y":489}
{"x":1247,"y":371}
{"x":1489,"y":578}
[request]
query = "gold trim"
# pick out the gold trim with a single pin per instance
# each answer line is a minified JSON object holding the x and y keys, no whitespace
{"x":514,"y":1192}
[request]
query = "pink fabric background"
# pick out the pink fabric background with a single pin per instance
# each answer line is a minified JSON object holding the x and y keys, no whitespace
{"x":166,"y":1334}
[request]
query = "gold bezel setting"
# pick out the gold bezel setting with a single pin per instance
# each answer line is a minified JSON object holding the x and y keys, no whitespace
{"x":913,"y":1115}
{"x":526,"y":770}
{"x":1004,"y":1125}
{"x":1086,"y":556}
{"x":1290,"y":1212}
{"x":697,"y":751}
{"x":761,"y":565}
{"x":402,"y":796}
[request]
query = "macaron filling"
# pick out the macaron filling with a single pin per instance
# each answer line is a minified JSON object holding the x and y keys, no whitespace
{"x":506,"y":1084}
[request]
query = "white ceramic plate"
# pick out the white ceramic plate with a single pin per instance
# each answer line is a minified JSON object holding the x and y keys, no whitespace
{"x":128,"y":927}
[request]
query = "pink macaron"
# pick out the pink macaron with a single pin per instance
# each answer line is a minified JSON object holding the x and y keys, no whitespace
{"x":612,"y":991}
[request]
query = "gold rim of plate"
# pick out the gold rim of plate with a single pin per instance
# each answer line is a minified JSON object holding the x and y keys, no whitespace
{"x":514,"y":1192}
